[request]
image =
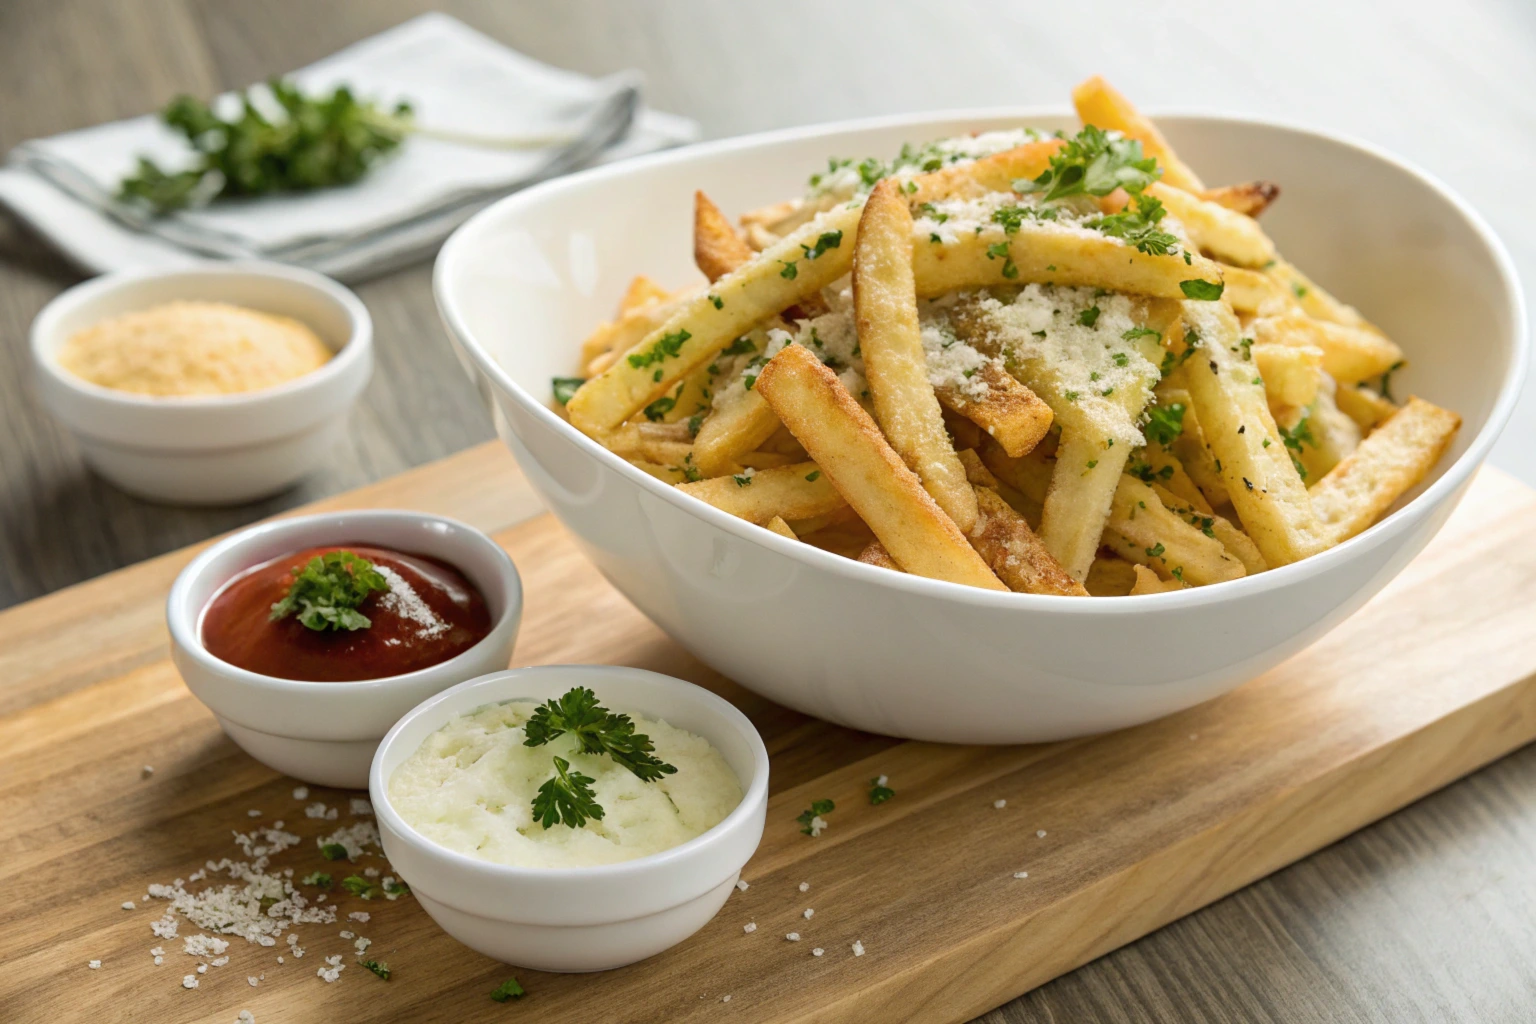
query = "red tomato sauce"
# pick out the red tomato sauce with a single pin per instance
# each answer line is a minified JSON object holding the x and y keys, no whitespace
{"x":431,"y":613}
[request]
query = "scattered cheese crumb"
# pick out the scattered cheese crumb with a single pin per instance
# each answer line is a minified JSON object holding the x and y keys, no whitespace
{"x":157,"y":951}
{"x":202,"y":945}
{"x":361,"y":805}
{"x":809,"y":913}
{"x":219,"y":961}
{"x":1040,"y":833}
{"x":129,"y":904}
{"x":147,"y":771}
{"x":1021,"y":874}
{"x":354,"y":837}
{"x":202,"y":968}
{"x":159,"y":960}
{"x":246,"y":1016}
{"x":332,"y":970}
{"x":725,"y":999}
{"x":741,"y":883}
{"x":793,"y":936}
{"x":817,"y":951}
{"x":858,"y":948}
{"x":279,"y":959}
{"x":362,"y":945}
{"x":315,"y":810}
{"x":805,"y":886}
{"x":279,"y":824}
{"x":360,"y":916}
{"x":999,"y":804}
{"x":370,"y":872}
{"x":301,"y":792}
{"x":818,"y":825}
{"x":349,"y":935}
{"x":94,"y":965}
{"x":253,"y":813}
{"x":749,"y":927}
{"x":190,"y":981}
{"x":251,"y":980}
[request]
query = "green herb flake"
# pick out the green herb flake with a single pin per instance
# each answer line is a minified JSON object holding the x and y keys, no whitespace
{"x":1093,"y":162}
{"x":666,"y":347}
{"x":879,"y":792}
{"x":565,"y":387}
{"x":508,"y":990}
{"x":361,"y":887}
{"x":1088,"y":318}
{"x":1156,"y":551}
{"x":1204,"y":291}
{"x":319,"y":879}
{"x":813,"y":476}
{"x":326,"y":593}
{"x":789,"y":273}
{"x":717,"y":301}
{"x":740,"y":347}
{"x":827,"y":240}
{"x":1165,"y":423}
{"x":382,"y":970}
{"x":818,"y":809}
{"x":1137,"y":226}
{"x":333,"y":851}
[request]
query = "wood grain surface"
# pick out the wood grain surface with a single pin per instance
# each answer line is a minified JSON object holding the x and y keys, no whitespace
{"x":1118,"y":834}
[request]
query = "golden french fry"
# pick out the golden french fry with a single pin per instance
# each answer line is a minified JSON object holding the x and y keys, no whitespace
{"x":994,"y":173}
{"x":874,"y":553}
{"x":780,"y":527}
{"x":1319,"y":436}
{"x":976,"y":471}
{"x":717,"y":248}
{"x":885,"y":311}
{"x":1157,"y":465}
{"x":1313,"y":300}
{"x":848,"y":446}
{"x":1291,"y":372}
{"x":1018,"y":557}
{"x":1350,"y":354}
{"x":1238,"y":544}
{"x":666,"y":474}
{"x":642,"y":291}
{"x":1081,"y":493}
{"x":1190,"y":448}
{"x":1045,"y":252}
{"x":1253,"y":292}
{"x":1228,"y":236}
{"x":1251,"y":198}
{"x":1235,"y":421}
{"x":1110,"y":576}
{"x":1098,"y":103}
{"x":1008,"y":411}
{"x":653,"y":442}
{"x":793,"y":492}
{"x":1149,"y":582}
{"x":612,"y":339}
{"x":1387,"y":464}
{"x":1141,"y":529}
{"x":1367,"y":408}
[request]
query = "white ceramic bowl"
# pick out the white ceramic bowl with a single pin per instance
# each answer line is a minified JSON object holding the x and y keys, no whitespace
{"x":213,"y":449}
{"x":582,"y":918}
{"x":326,"y":733}
{"x":523,"y":282}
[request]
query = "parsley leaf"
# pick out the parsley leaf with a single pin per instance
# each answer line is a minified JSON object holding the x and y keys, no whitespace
{"x":565,"y":387}
{"x":1136,"y":225}
{"x":879,"y":792}
{"x":665,"y":404}
{"x":508,"y":989}
{"x":1386,"y":381}
{"x":566,"y":798}
{"x":1294,"y":438}
{"x":1096,"y":164}
{"x":827,"y":240}
{"x":333,"y":851}
{"x":808,"y":817}
{"x":326,"y":593}
{"x":382,"y":970}
{"x":1203,"y":290}
{"x":1088,"y":318}
{"x":667,"y":346}
{"x":317,"y":878}
{"x":361,"y":887}
{"x":1165,"y":423}
{"x":740,"y":347}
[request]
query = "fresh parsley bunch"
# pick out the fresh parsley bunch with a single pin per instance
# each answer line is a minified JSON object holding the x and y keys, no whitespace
{"x":1095,"y":163}
{"x":567,"y":797}
{"x":318,"y":141}
{"x":327,"y":592}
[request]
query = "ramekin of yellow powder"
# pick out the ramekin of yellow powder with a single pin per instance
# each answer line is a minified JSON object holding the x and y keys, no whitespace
{"x":193,"y":348}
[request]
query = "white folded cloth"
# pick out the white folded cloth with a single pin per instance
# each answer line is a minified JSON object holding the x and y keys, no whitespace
{"x":456,"y":80}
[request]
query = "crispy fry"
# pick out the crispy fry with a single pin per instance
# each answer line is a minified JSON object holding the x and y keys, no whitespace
{"x":717,"y":248}
{"x":1320,"y":435}
{"x":1018,"y":557}
{"x":976,"y":471}
{"x":995,"y":173}
{"x":642,"y":291}
{"x":1110,"y":576}
{"x":1350,"y":354}
{"x":846,"y":444}
{"x":789,"y":492}
{"x":1314,"y":301}
{"x":1253,"y":292}
{"x":1251,"y":198}
{"x":874,"y":553}
{"x":885,"y":310}
{"x":1164,"y":468}
{"x":1050,"y":253}
{"x":1367,"y":408}
{"x":635,"y":323}
{"x":780,"y":527}
{"x":1291,"y":372}
{"x":1229,"y":237}
{"x":1236,"y":423}
{"x":1148,"y":582}
{"x":1141,"y":529}
{"x":1098,"y":103}
{"x":1387,"y":464}
{"x":1078,"y":503}
{"x":1237,"y":543}
{"x":1009,"y":411}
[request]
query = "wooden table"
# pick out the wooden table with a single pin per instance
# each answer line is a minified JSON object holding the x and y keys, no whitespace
{"x":1425,"y":916}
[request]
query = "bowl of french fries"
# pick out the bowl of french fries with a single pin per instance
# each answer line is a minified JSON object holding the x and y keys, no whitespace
{"x":1002,"y":426}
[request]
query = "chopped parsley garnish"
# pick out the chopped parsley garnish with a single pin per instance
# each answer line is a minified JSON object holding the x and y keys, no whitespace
{"x":934,"y":214}
{"x":740,"y":347}
{"x":666,"y":347}
{"x":1144,"y":472}
{"x":1299,"y":289}
{"x":1202,"y":290}
{"x":665,"y":404}
{"x":382,"y":970}
{"x":326,"y":593}
{"x":1132,"y":335}
{"x":1156,"y":551}
{"x":567,"y":797}
{"x":818,"y":809}
{"x":828,"y":240}
{"x":1165,"y":423}
{"x":1294,"y":438}
{"x":879,"y":792}
{"x":1172,"y":362}
{"x":1386,"y":381}
{"x":565,"y":387}
{"x":508,"y":989}
{"x":813,"y":476}
{"x":318,"y":878}
{"x":396,"y":888}
{"x":1000,"y":251}
{"x":694,"y":423}
{"x":333,"y":851}
{"x":1245,"y":348}
{"x":1088,"y":318}
{"x":361,"y":887}
{"x":789,"y":272}
{"x":1096,"y":164}
{"x":1178,"y":573}
{"x":717,"y":301}
{"x":742,"y":480}
{"x":1013,"y":217}
{"x":1137,"y":227}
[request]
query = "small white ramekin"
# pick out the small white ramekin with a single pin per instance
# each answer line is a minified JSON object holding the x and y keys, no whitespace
{"x":208,"y":449}
{"x":580,"y":918}
{"x":323,"y":732}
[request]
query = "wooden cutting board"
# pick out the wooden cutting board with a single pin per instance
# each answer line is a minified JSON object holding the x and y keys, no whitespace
{"x":1118,"y":834}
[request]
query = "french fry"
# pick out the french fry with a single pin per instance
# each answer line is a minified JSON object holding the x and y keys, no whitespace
{"x":994,"y":173}
{"x":854,"y":455}
{"x":874,"y":553}
{"x":780,"y":527}
{"x":1148,"y":582}
{"x":768,"y":221}
{"x":1078,"y":503}
{"x":1350,"y":354}
{"x":1319,"y":436}
{"x":1018,"y":557}
{"x":647,"y":443}
{"x":666,"y":474}
{"x":1240,"y":431}
{"x":1367,"y":408}
{"x":1048,"y":253}
{"x":1228,"y":236}
{"x":1252,"y":292}
{"x":642,"y":292}
{"x":1110,"y":576}
{"x":976,"y":471}
{"x":1313,"y":300}
{"x":1387,"y":464}
{"x":790,"y":492}
{"x":1190,"y":448}
{"x":739,"y":428}
{"x":717,"y":248}
{"x":633,"y":324}
{"x":1141,"y":529}
{"x":1251,"y":198}
{"x":1009,"y":412}
{"x":1098,"y":103}
{"x":885,"y":311}
{"x":1237,"y":543}
{"x":1165,"y":468}
{"x":1291,"y":372}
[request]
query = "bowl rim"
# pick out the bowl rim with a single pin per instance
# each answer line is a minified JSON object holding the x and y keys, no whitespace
{"x":753,"y":795}
{"x":1451,"y":478}
{"x":186,"y":626}
{"x":344,"y":359}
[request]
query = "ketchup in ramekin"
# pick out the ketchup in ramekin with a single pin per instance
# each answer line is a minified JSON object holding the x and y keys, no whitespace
{"x":424,"y":613}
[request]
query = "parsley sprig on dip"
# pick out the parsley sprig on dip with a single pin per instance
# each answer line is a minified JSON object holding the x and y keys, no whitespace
{"x":327,"y":592}
{"x":567,"y":797}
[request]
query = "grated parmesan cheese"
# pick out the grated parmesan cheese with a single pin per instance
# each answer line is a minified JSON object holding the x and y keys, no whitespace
{"x":999,"y":804}
{"x":362,"y":805}
{"x":402,"y":599}
{"x":809,"y":913}
{"x":858,"y":948}
{"x":360,"y":916}
{"x":1021,"y":874}
{"x":94,"y":965}
{"x":301,"y":792}
{"x":741,"y":883}
{"x":246,"y":1016}
{"x":1040,"y":834}
{"x":793,"y":936}
{"x":190,"y":981}
{"x":806,"y":886}
{"x":817,"y":951}
{"x":749,"y":927}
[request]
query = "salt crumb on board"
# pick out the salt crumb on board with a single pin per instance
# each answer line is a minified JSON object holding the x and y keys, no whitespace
{"x":805,"y":886}
{"x":858,"y":948}
{"x":741,"y":883}
{"x":999,"y":804}
{"x":1021,"y":874}
{"x":749,"y":927}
